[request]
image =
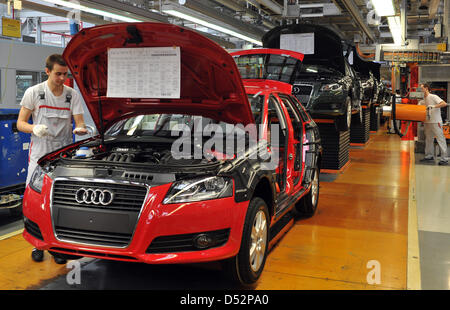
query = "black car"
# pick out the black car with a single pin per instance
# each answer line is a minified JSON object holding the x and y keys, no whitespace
{"x":325,"y":83}
{"x":369,"y":82}
{"x":378,"y":94}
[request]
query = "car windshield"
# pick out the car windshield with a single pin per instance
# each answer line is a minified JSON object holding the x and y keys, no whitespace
{"x":173,"y":125}
{"x":307,"y":69}
{"x":169,"y":125}
{"x":266,"y":66}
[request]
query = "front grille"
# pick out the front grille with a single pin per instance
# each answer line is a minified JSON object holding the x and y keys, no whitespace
{"x":126,"y":197}
{"x":112,"y":225}
{"x":302,"y":92}
{"x":184,"y":243}
{"x":93,"y":237}
{"x":301,"y":89}
{"x":33,"y":229}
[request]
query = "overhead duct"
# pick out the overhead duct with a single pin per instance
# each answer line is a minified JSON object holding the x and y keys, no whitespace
{"x":355,"y":12}
{"x":273,"y":6}
{"x":214,"y":20}
{"x":433,"y":8}
{"x":310,"y":10}
{"x":201,"y":7}
{"x":233,"y":5}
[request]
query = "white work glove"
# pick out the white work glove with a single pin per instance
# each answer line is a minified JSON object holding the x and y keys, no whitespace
{"x":81,"y":131}
{"x":431,"y":107}
{"x":40,"y":130}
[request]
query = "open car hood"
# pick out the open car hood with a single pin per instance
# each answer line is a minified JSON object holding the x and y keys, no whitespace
{"x":328,"y":48}
{"x":210,"y":82}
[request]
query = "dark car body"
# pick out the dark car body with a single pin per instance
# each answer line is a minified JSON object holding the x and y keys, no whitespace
{"x":378,"y":93}
{"x":369,"y":82}
{"x":325,"y":83}
{"x":131,"y":199}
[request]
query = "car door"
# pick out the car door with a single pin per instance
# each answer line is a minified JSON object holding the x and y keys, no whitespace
{"x":296,"y":141}
{"x":311,"y":146}
{"x":277,"y":135}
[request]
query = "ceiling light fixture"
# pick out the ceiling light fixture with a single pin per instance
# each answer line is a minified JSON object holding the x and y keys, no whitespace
{"x":383,"y":7}
{"x":396,"y":29}
{"x":77,"y":6}
{"x":206,"y":24}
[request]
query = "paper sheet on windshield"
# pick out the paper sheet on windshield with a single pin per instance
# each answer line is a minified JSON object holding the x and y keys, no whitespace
{"x":298,"y":42}
{"x":145,"y":72}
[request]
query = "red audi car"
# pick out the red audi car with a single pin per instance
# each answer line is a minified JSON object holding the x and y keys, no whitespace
{"x":145,"y":191}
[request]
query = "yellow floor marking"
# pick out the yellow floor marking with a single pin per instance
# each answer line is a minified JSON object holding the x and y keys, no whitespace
{"x":413,"y":275}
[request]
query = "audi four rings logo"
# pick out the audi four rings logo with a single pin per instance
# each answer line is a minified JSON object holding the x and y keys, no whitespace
{"x":94,"y":196}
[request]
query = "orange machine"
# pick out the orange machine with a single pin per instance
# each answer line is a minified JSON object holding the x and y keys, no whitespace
{"x":446,"y":129}
{"x":406,"y":112}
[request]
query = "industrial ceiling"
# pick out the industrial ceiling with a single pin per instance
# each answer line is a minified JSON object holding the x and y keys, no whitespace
{"x":354,"y":20}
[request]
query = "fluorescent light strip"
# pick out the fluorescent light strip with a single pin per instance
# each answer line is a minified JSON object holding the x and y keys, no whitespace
{"x":383,"y":7}
{"x":211,"y":26}
{"x":395,"y":28}
{"x":86,"y":9}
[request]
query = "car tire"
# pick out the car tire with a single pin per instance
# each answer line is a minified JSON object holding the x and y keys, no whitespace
{"x":60,"y":258}
{"x":37,"y":255}
{"x":343,"y":122}
{"x":307,"y":206}
{"x":246,"y":267}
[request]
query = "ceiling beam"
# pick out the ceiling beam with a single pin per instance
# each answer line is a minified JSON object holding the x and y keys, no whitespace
{"x":433,"y":8}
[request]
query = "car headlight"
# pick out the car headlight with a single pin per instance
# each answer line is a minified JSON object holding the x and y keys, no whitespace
{"x":199,"y":189}
{"x":37,"y":179}
{"x":331,"y":87}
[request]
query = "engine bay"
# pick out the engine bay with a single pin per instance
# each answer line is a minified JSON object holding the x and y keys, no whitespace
{"x":126,"y":152}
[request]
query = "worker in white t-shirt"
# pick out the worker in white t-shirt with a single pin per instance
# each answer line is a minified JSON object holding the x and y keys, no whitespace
{"x":52,"y":106}
{"x":433,"y":125}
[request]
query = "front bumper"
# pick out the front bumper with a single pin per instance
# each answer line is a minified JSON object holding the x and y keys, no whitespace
{"x":155,"y":220}
{"x":330,"y":110}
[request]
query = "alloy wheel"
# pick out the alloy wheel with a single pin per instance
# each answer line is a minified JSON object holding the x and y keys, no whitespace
{"x":258,"y":240}
{"x":315,"y":188}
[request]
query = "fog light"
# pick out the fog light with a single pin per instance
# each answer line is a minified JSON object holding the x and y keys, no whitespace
{"x":203,"y":241}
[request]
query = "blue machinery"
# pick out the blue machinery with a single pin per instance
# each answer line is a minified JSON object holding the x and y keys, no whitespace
{"x":14,"y":146}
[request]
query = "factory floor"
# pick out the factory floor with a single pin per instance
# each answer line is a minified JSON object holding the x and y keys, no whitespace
{"x":365,"y":235}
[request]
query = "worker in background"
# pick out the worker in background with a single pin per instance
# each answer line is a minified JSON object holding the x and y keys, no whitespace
{"x":433,"y":125}
{"x":52,"y":106}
